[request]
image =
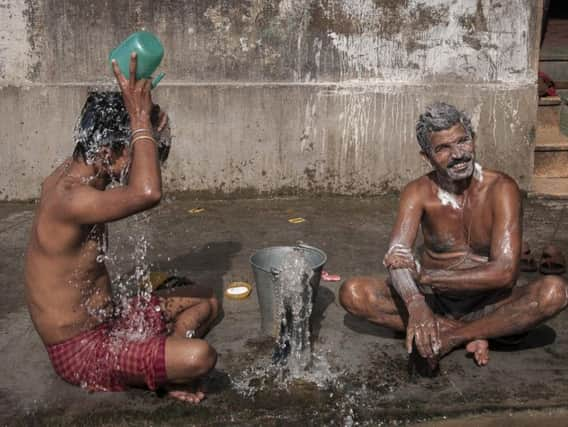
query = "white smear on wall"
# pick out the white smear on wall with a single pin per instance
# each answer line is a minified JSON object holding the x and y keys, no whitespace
{"x":309,"y":132}
{"x":287,"y":7}
{"x":474,"y":116}
{"x":354,"y":123}
{"x":499,"y":52}
{"x":15,"y":50}
{"x":221,"y":23}
{"x":364,"y":11}
{"x":317,"y":47}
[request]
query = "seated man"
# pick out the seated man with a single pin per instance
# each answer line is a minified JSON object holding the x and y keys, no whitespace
{"x":67,"y":284}
{"x":471,"y":219}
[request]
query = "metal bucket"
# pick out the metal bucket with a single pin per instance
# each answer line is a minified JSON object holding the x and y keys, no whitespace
{"x":266,"y":264}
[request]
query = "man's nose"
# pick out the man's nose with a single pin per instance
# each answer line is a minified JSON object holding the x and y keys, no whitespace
{"x":458,"y":152}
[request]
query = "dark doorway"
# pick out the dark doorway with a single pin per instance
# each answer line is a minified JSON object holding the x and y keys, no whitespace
{"x":554,"y":40}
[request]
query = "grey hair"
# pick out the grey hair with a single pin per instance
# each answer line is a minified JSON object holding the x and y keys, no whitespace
{"x":439,"y":116}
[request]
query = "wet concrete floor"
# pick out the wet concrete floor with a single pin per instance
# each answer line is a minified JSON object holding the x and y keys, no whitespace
{"x":371,"y":385}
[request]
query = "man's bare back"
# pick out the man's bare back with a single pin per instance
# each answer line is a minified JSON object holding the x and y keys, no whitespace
{"x":67,"y":289}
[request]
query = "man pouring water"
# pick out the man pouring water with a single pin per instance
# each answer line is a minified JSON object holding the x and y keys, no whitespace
{"x":462,"y":289}
{"x":67,"y":284}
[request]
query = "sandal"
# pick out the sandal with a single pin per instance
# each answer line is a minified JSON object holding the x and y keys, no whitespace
{"x":327,"y":277}
{"x":552,"y":261}
{"x":528,"y":263}
{"x":161,"y":280}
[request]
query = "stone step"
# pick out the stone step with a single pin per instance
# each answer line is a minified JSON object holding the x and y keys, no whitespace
{"x":550,"y":188}
{"x":549,"y":101}
{"x":548,"y":135}
{"x":550,"y":139}
{"x":551,"y":164}
{"x":551,"y":147}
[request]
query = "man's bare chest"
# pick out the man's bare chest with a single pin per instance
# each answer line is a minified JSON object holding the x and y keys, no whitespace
{"x":447,"y":229}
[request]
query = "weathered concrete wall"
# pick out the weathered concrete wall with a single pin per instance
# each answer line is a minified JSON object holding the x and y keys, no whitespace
{"x":269,"y":95}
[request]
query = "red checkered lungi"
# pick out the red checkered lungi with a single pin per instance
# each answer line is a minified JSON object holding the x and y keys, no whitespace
{"x":127,"y":350}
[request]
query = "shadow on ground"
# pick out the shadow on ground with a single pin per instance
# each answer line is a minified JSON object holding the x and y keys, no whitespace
{"x":206,"y":265}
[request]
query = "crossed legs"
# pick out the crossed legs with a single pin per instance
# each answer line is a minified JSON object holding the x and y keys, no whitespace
{"x":373,"y":299}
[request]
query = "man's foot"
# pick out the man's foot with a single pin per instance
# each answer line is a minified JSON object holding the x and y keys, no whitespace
{"x":186,"y":396}
{"x":448,"y":341}
{"x":479,"y":350}
{"x":447,"y":324}
{"x":189,"y":393}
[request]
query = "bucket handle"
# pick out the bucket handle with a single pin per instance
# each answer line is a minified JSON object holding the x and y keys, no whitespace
{"x":275,"y":272}
{"x":302,"y":245}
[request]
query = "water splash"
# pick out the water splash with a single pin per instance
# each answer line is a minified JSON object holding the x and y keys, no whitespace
{"x":131,"y":292}
{"x":135,"y":288}
{"x":293,"y":299}
{"x":293,"y":361}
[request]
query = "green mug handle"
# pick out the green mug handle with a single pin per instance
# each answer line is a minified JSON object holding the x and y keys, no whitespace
{"x":157,"y":80}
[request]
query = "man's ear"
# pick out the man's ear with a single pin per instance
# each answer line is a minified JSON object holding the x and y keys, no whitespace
{"x":425,"y":157}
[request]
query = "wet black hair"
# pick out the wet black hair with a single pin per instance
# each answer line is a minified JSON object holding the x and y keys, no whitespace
{"x":104,"y":122}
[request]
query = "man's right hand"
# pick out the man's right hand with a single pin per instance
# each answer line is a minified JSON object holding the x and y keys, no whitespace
{"x":423,"y":328}
{"x":136,"y":95}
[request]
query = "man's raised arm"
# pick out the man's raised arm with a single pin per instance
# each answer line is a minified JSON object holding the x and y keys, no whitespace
{"x":87,"y":205}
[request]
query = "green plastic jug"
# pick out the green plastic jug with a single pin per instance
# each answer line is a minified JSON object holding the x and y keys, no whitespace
{"x":149,"y":51}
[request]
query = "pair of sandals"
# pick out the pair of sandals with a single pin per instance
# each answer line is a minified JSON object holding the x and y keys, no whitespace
{"x":551,"y":261}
